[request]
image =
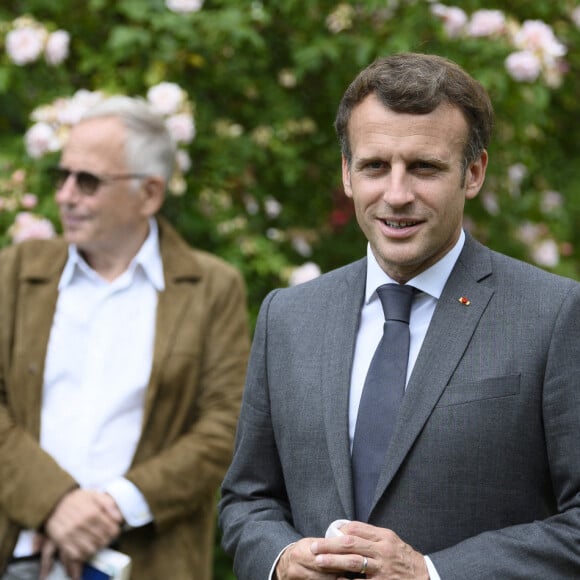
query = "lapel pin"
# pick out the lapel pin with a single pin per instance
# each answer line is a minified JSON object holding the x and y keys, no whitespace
{"x":465,"y":301}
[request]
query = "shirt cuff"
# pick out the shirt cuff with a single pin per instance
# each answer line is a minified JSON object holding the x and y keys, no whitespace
{"x":433,"y":575}
{"x":271,"y":576}
{"x":130,"y":501}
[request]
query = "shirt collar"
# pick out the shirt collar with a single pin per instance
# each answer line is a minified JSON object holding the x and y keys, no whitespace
{"x":431,"y":281}
{"x":148,"y":258}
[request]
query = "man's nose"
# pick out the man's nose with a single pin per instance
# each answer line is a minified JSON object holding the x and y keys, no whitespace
{"x":398,"y":190}
{"x":68,"y":190}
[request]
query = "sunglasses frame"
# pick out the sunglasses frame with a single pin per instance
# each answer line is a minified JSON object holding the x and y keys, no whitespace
{"x":88,"y":182}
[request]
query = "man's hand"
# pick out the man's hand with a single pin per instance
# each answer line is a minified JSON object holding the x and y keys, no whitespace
{"x":48,"y":556}
{"x":83,"y":522}
{"x":377,"y":552}
{"x":297,"y":562}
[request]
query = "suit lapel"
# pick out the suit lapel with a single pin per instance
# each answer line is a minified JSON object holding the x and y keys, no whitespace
{"x":42,"y":267}
{"x":450,"y":332}
{"x":338,"y":339}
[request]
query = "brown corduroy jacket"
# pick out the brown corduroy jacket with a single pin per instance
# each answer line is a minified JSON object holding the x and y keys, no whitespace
{"x":191,"y":406}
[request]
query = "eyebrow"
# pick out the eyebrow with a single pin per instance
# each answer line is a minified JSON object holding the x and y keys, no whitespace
{"x":431,"y":159}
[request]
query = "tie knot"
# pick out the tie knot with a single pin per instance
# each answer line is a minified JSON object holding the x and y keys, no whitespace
{"x":396,"y":300}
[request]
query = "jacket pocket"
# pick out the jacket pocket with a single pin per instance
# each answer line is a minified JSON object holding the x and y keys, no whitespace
{"x":458,"y":393}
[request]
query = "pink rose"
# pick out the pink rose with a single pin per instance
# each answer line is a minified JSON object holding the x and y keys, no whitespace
{"x":523,"y":66}
{"x":29,"y":201}
{"x":537,"y":36}
{"x":486,"y":23}
{"x":454,"y":18}
{"x":28,"y":226}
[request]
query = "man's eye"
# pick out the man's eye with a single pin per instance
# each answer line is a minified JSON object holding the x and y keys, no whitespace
{"x":425,"y":168}
{"x":374,"y":165}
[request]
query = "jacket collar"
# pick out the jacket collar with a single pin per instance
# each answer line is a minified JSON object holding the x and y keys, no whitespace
{"x":179,"y":263}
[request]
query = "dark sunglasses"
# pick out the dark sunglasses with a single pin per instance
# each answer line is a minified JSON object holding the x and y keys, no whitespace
{"x":87,"y":182}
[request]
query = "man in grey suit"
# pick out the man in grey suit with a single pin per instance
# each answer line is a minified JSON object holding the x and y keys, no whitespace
{"x":481,"y":478}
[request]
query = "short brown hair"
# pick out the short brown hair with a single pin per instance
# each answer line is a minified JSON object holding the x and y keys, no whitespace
{"x":417,"y":84}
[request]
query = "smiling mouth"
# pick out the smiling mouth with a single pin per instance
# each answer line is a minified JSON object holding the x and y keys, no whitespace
{"x":400,"y":224}
{"x":71,"y":220}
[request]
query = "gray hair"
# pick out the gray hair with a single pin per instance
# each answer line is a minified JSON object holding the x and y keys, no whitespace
{"x":149,"y":147}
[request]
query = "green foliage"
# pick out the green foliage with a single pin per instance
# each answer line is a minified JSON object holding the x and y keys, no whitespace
{"x":265,"y":78}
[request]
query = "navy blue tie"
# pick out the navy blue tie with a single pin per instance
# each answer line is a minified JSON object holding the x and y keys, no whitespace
{"x":382,"y":395}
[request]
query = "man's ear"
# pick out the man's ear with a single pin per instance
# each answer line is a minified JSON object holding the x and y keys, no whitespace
{"x":475,"y":175}
{"x":346,"y":184}
{"x":153,"y":192}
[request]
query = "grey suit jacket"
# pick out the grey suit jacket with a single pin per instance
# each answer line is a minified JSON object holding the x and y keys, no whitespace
{"x":483,"y":471}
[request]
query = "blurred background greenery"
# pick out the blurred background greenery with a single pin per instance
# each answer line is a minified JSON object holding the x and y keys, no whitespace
{"x":262,"y":81}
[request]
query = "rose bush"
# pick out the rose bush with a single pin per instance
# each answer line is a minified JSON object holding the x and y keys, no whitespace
{"x":250,"y":90}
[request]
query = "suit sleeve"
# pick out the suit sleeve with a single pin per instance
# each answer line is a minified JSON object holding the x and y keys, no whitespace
{"x":31,"y":482}
{"x":179,"y":473}
{"x":255,"y":516}
{"x":548,"y":548}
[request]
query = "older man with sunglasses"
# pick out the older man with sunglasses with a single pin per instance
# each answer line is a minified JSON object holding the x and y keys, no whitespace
{"x":122,"y":357}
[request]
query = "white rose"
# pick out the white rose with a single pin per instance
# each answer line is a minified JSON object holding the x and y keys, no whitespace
{"x":70,"y":111}
{"x":165,"y":98}
{"x":528,"y":233}
{"x":551,"y":200}
{"x":302,"y":246}
{"x":183,"y":160}
{"x":308,"y":271}
{"x":25,"y":44}
{"x":41,"y":139}
{"x":181,"y":127}
{"x":576,"y":16}
{"x":272,"y":207}
{"x":517,"y":172}
{"x":184,"y":5}
{"x":56,"y":50}
{"x":546,"y":254}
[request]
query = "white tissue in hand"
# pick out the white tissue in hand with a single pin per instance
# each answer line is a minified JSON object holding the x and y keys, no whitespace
{"x":333,"y":530}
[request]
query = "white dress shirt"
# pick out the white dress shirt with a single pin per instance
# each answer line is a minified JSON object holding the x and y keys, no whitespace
{"x":96,"y":373}
{"x":431,"y":283}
